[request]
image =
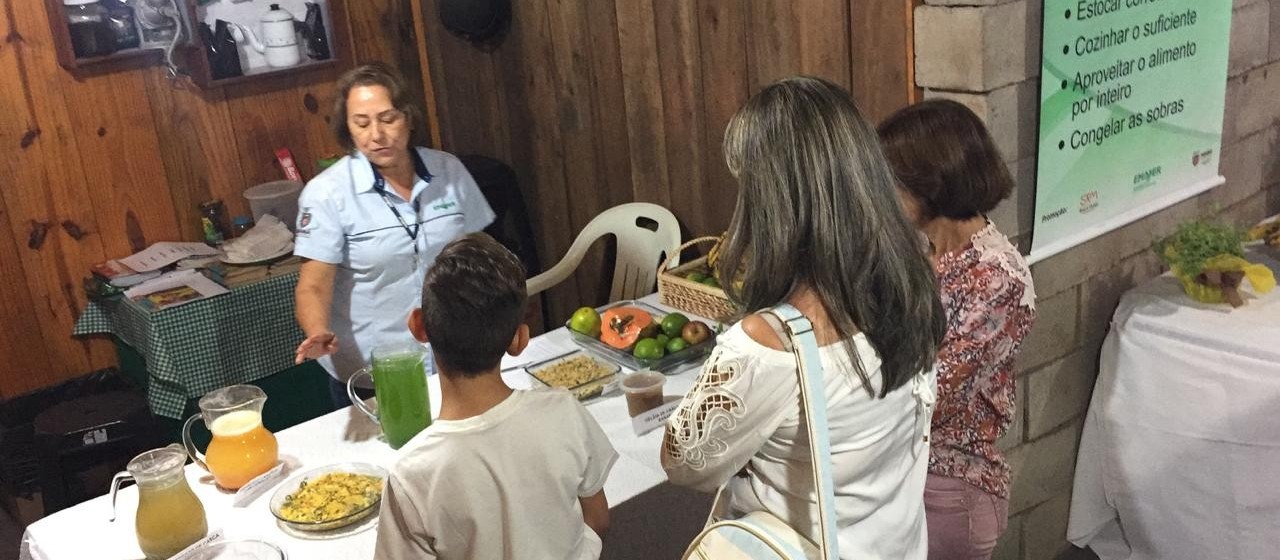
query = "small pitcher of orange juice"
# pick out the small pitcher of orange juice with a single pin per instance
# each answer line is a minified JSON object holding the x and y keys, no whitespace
{"x":241,"y":448}
{"x":170,"y":517}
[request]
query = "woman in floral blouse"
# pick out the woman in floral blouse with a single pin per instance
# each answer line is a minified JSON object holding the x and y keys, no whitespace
{"x":950,"y":175}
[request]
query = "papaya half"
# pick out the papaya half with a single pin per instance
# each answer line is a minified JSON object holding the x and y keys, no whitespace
{"x":621,"y":327}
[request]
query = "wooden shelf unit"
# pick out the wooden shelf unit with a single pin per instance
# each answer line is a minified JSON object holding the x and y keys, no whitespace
{"x":339,"y":51}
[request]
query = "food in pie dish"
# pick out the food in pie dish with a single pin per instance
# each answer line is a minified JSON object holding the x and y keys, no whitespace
{"x":583,"y":375}
{"x":330,"y":497}
{"x":572,"y":372}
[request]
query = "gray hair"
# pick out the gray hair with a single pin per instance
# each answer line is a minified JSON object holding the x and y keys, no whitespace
{"x":817,"y":208}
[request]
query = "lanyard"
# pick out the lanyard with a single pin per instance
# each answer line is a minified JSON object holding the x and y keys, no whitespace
{"x":380,"y":186}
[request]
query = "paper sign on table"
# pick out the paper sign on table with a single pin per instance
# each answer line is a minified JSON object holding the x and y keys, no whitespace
{"x":652,"y":419}
{"x":190,"y":551}
{"x":254,"y":488}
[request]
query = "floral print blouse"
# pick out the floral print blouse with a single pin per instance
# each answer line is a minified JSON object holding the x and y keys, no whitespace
{"x":990,"y":304}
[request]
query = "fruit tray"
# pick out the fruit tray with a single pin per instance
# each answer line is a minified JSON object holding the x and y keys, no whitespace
{"x":667,"y":364}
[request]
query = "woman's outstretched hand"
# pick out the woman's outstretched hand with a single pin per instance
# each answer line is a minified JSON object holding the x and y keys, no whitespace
{"x":315,"y":346}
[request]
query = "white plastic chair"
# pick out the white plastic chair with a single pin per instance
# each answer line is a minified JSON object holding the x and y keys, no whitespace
{"x":640,"y":249}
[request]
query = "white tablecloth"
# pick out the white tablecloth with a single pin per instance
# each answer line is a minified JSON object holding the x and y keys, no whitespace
{"x":1180,"y":456}
{"x":83,"y":532}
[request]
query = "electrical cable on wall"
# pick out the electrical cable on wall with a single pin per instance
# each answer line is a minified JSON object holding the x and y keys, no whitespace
{"x":158,"y":19}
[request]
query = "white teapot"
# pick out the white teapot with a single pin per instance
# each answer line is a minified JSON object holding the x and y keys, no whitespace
{"x":279,"y":38}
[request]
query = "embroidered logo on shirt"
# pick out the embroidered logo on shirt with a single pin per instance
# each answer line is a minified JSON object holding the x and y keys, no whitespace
{"x":303,"y":221}
{"x":444,"y":205}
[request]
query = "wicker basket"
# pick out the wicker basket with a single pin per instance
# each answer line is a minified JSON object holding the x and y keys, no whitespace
{"x":693,"y":297}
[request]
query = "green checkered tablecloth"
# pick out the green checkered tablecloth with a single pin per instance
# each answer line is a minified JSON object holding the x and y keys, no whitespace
{"x":239,"y":337}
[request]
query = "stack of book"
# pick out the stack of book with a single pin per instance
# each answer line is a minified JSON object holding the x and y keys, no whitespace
{"x":120,"y":275}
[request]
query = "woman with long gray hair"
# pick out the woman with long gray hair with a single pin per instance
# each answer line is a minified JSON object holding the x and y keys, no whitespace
{"x":818,"y":225}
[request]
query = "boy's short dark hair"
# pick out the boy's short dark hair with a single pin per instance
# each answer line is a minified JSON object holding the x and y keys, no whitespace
{"x":943,"y":155}
{"x":473,"y":301}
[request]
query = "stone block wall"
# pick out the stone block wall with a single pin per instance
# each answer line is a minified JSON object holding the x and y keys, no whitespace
{"x":986,"y":55}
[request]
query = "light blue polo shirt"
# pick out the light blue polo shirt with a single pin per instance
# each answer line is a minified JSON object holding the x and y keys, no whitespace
{"x":343,"y":220}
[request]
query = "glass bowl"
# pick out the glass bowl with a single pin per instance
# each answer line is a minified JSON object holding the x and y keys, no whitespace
{"x":667,"y":364}
{"x":588,"y":386}
{"x":326,"y":523}
{"x":239,"y":550}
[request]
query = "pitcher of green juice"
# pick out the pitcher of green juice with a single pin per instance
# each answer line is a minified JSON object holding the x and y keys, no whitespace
{"x":170,"y":516}
{"x":400,"y":387}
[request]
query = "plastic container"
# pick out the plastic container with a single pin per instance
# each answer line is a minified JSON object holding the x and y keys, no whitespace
{"x":278,"y":198}
{"x":590,"y":384}
{"x":644,"y":391}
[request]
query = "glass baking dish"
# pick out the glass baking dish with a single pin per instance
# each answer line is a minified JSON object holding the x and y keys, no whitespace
{"x":585,"y":386}
{"x":293,"y":487}
{"x":667,"y":364}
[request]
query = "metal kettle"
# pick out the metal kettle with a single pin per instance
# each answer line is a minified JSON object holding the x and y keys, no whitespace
{"x":279,"y":38}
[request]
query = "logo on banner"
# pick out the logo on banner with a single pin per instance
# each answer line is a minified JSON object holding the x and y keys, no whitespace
{"x":1205,"y":157}
{"x":1088,"y":201}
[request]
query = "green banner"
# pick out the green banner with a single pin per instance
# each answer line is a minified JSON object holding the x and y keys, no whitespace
{"x":1131,"y":101}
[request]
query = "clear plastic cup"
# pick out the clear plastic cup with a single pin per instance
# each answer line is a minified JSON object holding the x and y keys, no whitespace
{"x":643,"y":390}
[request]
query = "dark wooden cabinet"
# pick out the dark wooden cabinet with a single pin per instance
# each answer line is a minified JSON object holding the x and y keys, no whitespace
{"x":190,"y":52}
{"x":339,"y":50}
{"x":66,"y":52}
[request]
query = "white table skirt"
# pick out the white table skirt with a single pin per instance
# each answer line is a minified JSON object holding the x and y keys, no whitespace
{"x":82,"y":531}
{"x":1180,"y":456}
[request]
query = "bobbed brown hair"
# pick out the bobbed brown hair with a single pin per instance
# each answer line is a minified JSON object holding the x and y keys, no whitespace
{"x":372,"y":74}
{"x":943,"y":155}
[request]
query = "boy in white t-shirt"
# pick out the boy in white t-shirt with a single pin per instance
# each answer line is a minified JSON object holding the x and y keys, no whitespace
{"x":500,"y":474}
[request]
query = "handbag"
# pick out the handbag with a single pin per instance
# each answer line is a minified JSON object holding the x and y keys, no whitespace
{"x":761,"y":535}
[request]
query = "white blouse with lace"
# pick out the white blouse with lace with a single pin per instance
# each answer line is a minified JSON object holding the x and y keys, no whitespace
{"x":744,"y":417}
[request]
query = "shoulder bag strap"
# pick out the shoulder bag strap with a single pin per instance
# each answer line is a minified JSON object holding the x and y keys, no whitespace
{"x":814,"y":399}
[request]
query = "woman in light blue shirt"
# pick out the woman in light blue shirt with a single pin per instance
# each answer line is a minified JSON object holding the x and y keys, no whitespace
{"x":371,"y":224}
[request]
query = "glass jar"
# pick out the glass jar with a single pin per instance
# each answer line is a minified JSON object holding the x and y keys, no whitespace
{"x":213,"y":222}
{"x":90,"y":28}
{"x":124,"y":27}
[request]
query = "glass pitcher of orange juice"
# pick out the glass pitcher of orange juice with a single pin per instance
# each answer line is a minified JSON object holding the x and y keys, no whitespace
{"x":241,"y":448}
{"x":170,"y":517}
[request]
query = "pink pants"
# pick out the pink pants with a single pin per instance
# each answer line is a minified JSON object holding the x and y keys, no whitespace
{"x":964,"y":522}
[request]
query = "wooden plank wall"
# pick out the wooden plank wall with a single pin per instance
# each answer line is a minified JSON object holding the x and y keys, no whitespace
{"x":600,"y":102}
{"x":594,"y":103}
{"x":126,"y":155}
